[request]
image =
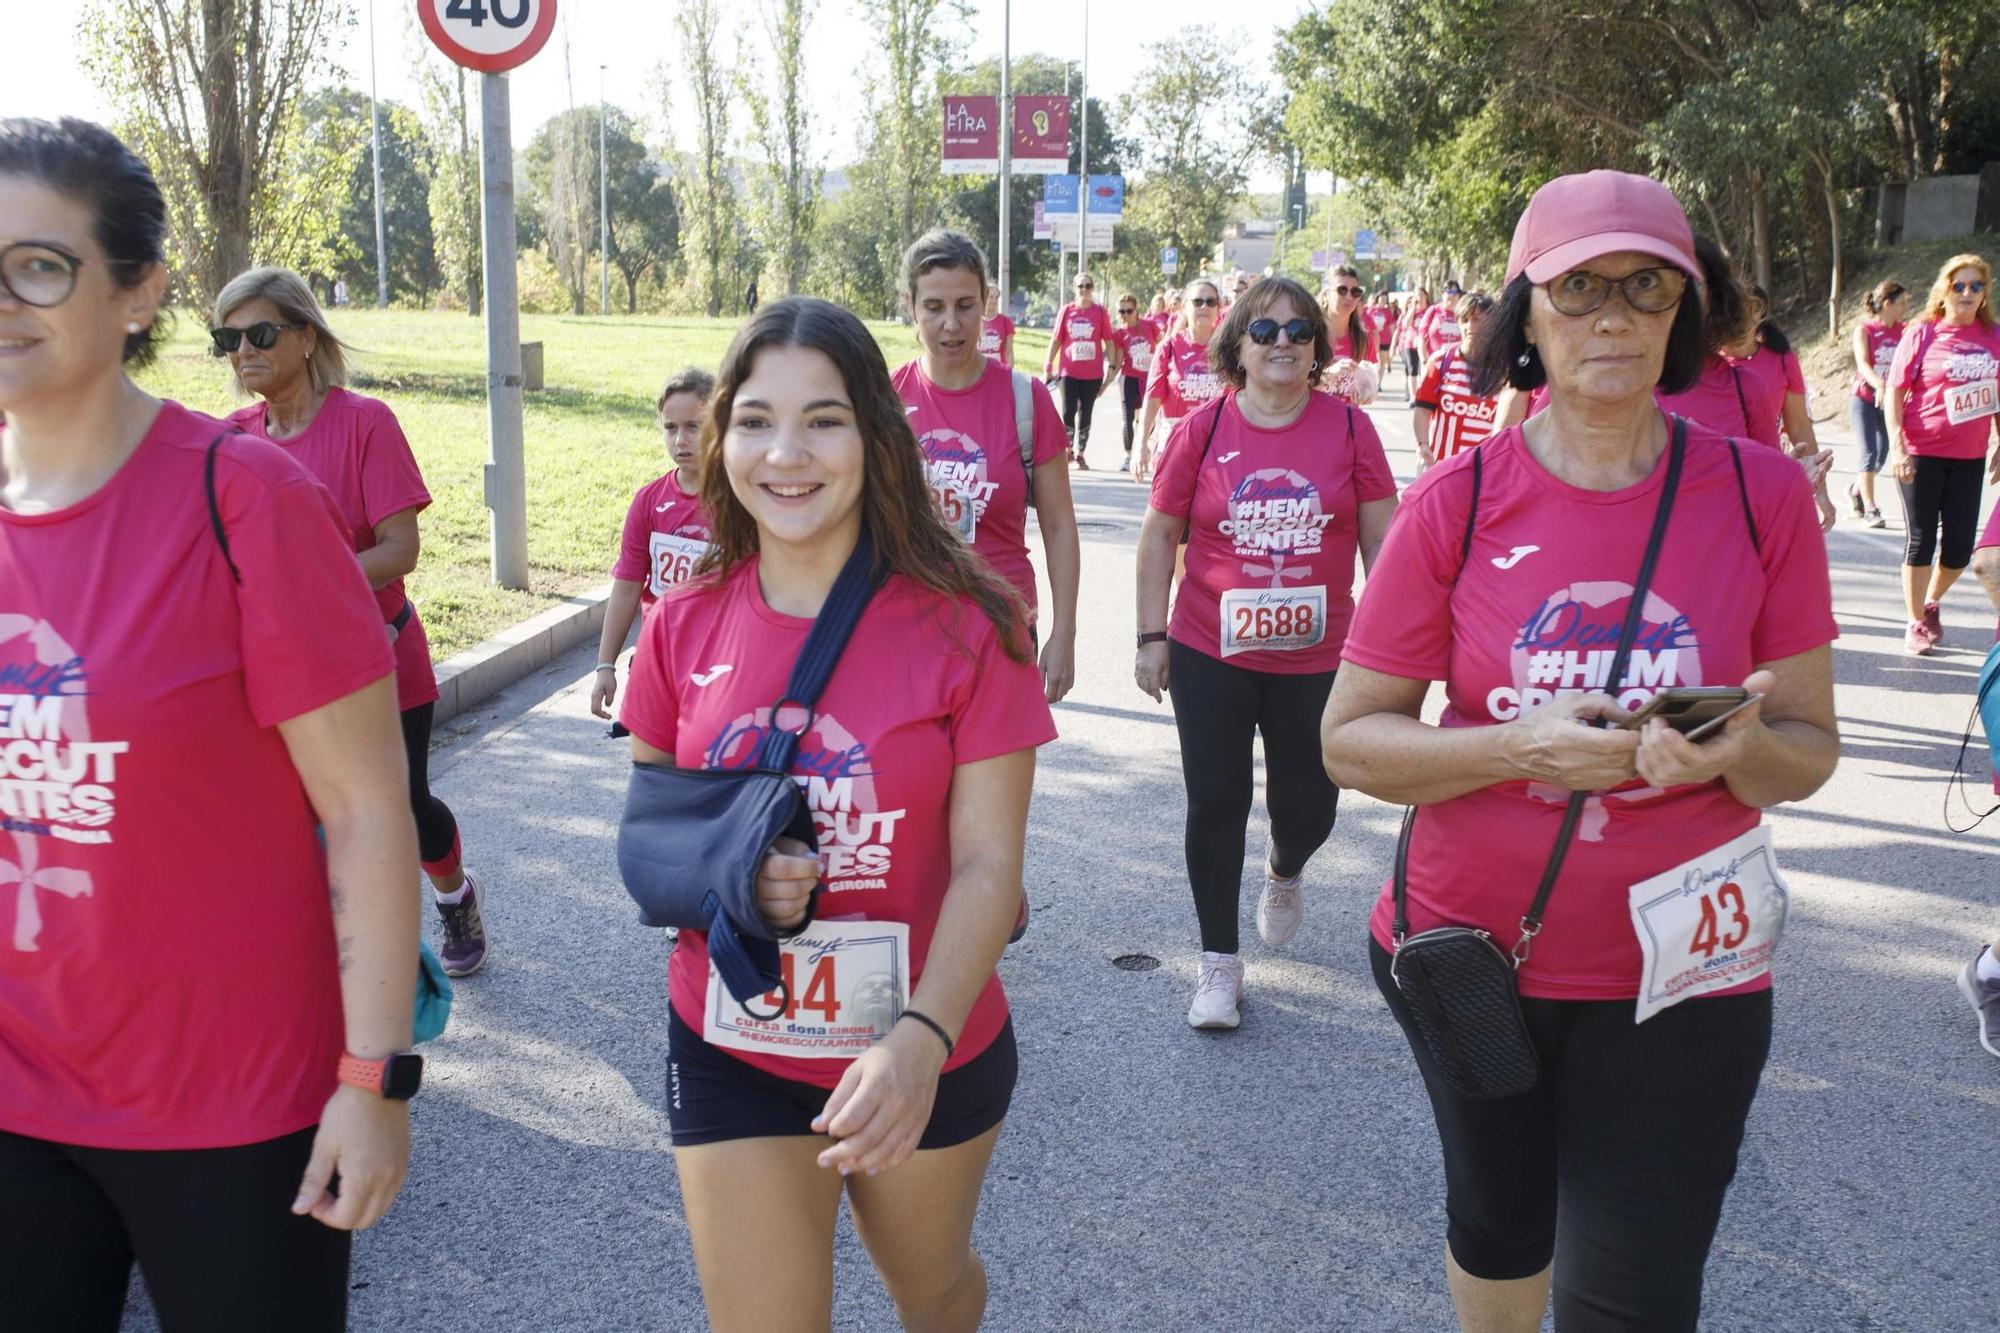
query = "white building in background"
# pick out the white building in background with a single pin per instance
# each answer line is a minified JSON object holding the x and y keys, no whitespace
{"x":1250,"y":246}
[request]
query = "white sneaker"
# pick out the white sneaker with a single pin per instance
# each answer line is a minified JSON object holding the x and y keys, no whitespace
{"x":1218,"y":992}
{"x":1281,"y":909}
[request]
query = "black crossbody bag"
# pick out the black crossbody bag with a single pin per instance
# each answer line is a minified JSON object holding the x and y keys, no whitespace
{"x":1460,"y":988}
{"x":693,"y":839}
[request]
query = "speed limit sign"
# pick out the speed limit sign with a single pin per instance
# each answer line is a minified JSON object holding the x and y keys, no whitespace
{"x":488,"y":35}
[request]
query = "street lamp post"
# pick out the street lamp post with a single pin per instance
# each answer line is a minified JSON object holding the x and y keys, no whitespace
{"x":1083,"y":157}
{"x":603,"y":207}
{"x":1006,"y":150}
{"x":375,"y":135}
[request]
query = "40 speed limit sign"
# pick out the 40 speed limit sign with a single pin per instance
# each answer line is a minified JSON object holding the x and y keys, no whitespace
{"x":488,"y":35}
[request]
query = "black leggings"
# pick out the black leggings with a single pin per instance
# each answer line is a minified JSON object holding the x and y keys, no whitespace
{"x":1219,"y":710}
{"x":437,"y":830}
{"x":1947,"y":490}
{"x":1614,"y":1166}
{"x":1135,"y":395}
{"x":1079,"y":401}
{"x":212,"y":1230}
{"x":1413,"y":362}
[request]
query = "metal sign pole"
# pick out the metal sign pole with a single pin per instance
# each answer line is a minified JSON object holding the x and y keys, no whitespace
{"x":1083,"y":157}
{"x":506,"y":473}
{"x":603,"y":206}
{"x":375,"y":137}
{"x":1006,"y":150}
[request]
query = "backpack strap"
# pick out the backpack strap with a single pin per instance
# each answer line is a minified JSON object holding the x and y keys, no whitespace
{"x":1742,"y":403}
{"x":1471,"y":511}
{"x":214,"y":509}
{"x":1024,"y":427}
{"x":1743,"y":493}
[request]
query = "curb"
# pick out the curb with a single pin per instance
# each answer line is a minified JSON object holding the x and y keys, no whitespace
{"x":468,"y":679}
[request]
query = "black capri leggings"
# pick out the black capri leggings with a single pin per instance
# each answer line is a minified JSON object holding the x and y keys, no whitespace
{"x":1079,"y":402}
{"x":1219,"y":710}
{"x":1945,"y":493}
{"x":212,"y":1230}
{"x":1615,"y":1165}
{"x":1135,"y":396}
{"x":437,"y":830}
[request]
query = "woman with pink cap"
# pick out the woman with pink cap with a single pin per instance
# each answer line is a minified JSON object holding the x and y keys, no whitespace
{"x":1558,"y":579}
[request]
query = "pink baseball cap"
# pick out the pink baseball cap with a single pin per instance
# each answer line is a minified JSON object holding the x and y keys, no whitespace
{"x":1574,"y":219}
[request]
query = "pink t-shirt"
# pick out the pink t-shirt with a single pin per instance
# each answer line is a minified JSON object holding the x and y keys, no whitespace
{"x":1744,"y":398}
{"x":357,"y":449}
{"x":1958,"y":377}
{"x":1536,"y":612}
{"x":972,"y":452}
{"x":1882,"y":339}
{"x":1273,"y":531}
{"x":1440,"y":329}
{"x":923,"y":687}
{"x":1080,"y":335}
{"x":993,"y":335}
{"x":666,"y":532}
{"x":1181,"y":378}
{"x":1137,"y":345}
{"x":1381,"y":319}
{"x":168,"y":977}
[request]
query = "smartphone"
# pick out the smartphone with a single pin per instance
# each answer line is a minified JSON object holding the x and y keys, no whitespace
{"x":1690,"y":709}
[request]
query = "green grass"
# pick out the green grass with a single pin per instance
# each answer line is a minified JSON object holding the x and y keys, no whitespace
{"x":590,"y":438}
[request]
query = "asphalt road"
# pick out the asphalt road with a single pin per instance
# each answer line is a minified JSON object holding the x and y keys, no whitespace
{"x":1281,"y":1177}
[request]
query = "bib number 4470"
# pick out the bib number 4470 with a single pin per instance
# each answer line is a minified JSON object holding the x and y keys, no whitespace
{"x":506,"y":13}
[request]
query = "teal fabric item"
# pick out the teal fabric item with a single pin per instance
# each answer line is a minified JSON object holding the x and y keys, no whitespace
{"x":433,"y":1009}
{"x":1989,"y":702}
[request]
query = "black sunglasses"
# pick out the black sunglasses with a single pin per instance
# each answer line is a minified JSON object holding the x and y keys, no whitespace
{"x":1204,"y":300}
{"x":1968,"y":288}
{"x":1264,"y":332}
{"x":1350,"y":291}
{"x":262,"y":335}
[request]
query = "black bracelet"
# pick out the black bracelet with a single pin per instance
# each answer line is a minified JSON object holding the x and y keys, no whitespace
{"x":950,"y":1047}
{"x":1155,"y":636}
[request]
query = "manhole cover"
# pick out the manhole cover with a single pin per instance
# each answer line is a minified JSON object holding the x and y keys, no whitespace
{"x":1135,"y":962}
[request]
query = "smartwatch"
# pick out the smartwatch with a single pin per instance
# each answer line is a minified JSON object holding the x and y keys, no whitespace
{"x":1156,"y":636}
{"x":395,"y":1078}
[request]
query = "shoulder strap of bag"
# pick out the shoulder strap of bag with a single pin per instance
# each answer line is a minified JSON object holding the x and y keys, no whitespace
{"x":1742,"y":403}
{"x":1628,"y":633}
{"x":1743,"y":494}
{"x":215,"y":509}
{"x":1024,"y":427}
{"x":828,"y":638}
{"x":1471,"y":511}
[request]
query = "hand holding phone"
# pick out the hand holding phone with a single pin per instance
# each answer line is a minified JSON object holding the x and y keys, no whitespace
{"x":1691,"y":709}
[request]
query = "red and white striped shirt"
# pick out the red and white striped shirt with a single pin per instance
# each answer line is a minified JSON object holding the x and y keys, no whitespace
{"x":1460,"y":418}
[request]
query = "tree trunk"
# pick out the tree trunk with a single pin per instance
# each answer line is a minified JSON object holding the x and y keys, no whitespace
{"x":225,"y":200}
{"x":1760,"y":229}
{"x":631,"y":294}
{"x":1833,"y":248}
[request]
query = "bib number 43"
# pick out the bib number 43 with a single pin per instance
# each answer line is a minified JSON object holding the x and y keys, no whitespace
{"x":506,"y":13}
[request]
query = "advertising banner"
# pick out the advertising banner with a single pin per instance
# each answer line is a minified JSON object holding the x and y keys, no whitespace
{"x":971,"y":136}
{"x":1041,"y":136}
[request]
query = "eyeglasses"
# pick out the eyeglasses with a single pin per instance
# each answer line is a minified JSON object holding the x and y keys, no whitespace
{"x":1649,"y":291}
{"x":1264,"y":332}
{"x":1204,"y":300}
{"x":1128,"y":310}
{"x":1958,"y":288}
{"x":1085,"y":286}
{"x":1350,"y":291}
{"x":38,"y":275}
{"x":262,"y":335}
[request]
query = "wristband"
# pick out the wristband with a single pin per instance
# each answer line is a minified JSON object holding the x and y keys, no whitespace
{"x":608,"y":666}
{"x":950,"y":1047}
{"x":1154,"y":636}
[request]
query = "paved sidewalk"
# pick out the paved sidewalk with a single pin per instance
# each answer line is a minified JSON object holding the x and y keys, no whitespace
{"x":1282,"y":1177}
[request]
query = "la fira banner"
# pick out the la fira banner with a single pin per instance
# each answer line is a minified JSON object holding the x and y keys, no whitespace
{"x":970,"y":136}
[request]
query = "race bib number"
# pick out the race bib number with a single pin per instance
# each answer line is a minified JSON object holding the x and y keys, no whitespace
{"x":846,"y":982}
{"x":960,"y":512}
{"x":1142,"y":356}
{"x":1970,"y":402}
{"x":673,"y":559}
{"x":1266,"y":620}
{"x":1201,"y":386}
{"x":989,"y":343}
{"x":1083,"y":349}
{"x":1709,"y":924}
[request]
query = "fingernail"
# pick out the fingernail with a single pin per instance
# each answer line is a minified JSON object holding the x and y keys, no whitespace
{"x":845,"y":1169}
{"x":874,"y":1170}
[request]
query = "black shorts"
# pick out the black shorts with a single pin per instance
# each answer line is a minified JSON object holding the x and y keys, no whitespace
{"x":713,"y":1097}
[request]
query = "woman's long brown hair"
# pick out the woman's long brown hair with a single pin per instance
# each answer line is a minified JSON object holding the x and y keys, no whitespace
{"x":911,"y":538}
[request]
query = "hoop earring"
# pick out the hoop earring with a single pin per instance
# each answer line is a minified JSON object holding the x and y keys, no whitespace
{"x":1315,"y":366}
{"x":134,"y":327}
{"x":1525,"y":358}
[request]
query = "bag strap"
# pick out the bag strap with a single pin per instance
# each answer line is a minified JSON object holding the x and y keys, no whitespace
{"x":1742,"y":403}
{"x":215,"y":509}
{"x":1024,"y":427}
{"x":1628,"y":633}
{"x":1471,"y":511}
{"x":1743,"y":494}
{"x":832,"y":628}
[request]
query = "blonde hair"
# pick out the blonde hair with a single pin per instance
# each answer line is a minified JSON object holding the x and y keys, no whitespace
{"x":1934,"y":304}
{"x":327,"y":365}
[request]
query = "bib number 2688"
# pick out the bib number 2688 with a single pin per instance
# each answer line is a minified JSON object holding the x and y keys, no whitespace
{"x":506,"y":13}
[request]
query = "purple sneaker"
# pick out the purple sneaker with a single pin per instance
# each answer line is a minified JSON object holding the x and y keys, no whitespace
{"x":1934,"y":622}
{"x":464,"y":950}
{"x":1984,"y":997}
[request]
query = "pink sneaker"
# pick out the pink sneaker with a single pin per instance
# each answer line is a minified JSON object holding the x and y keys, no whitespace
{"x":1934,"y":622}
{"x":1917,"y":639}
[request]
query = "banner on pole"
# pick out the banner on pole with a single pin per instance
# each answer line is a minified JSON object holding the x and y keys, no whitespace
{"x":1041,"y":135}
{"x":971,"y":136}
{"x":1320,"y":261}
{"x":1103,"y":232}
{"x":1107,"y":197}
{"x":1364,"y":245}
{"x":1336,"y":258}
{"x":1042,"y":232}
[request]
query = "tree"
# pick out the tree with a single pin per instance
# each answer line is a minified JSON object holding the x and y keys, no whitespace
{"x":559,"y":181}
{"x":406,"y":213}
{"x":918,"y":39}
{"x":455,"y":176}
{"x":645,"y":217}
{"x":709,"y":198}
{"x":209,"y":93}
{"x":789,"y":185}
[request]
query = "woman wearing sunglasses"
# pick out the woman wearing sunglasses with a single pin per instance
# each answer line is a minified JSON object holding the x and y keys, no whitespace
{"x":1278,"y":489}
{"x":195,"y":676}
{"x":1181,"y":378}
{"x":1355,"y":371}
{"x":279,"y":347}
{"x":1082,"y":345}
{"x":1943,"y":409}
{"x":1510,"y":575}
{"x":1136,"y":336}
